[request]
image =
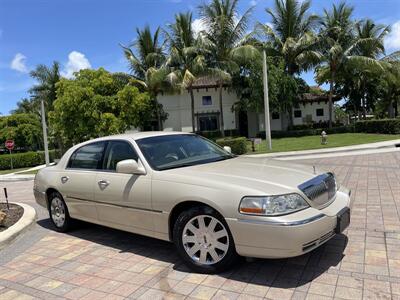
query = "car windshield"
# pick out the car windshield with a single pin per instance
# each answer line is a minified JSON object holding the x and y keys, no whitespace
{"x":182,"y":150}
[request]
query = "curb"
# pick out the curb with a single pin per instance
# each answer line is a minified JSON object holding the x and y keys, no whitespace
{"x":333,"y":150}
{"x":22,"y":224}
{"x":14,"y":178}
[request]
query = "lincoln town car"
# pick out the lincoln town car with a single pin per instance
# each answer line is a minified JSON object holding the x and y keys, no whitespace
{"x":180,"y":187}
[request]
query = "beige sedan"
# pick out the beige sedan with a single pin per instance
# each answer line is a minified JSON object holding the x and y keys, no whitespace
{"x":183,"y":188}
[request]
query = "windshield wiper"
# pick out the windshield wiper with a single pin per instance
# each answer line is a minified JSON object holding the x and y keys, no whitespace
{"x":224,"y":158}
{"x":177,"y":166}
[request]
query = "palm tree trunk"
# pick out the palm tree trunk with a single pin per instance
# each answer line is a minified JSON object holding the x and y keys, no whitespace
{"x":391,"y":112}
{"x":221,"y":113}
{"x":192,"y":107}
{"x":363,"y":102}
{"x":363,"y":110}
{"x":331,"y":81}
{"x":159,"y":121}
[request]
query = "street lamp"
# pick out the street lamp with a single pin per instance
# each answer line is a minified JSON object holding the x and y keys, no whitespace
{"x":44,"y":127}
{"x":266,"y":102}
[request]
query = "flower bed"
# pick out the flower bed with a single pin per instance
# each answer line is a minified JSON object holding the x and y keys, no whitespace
{"x":12,"y":215}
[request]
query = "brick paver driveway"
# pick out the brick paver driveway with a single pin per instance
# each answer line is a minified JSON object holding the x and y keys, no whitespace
{"x":93,"y":262}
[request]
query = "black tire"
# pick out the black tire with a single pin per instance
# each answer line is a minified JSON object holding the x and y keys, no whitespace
{"x":66,"y":224}
{"x":229,"y":258}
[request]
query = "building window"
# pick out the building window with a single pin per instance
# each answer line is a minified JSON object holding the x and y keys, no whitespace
{"x":297,"y":113}
{"x":275,"y":116}
{"x":320,"y":112}
{"x":207,"y":100}
{"x":208,"y":122}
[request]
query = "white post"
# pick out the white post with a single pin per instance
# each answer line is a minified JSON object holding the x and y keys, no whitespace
{"x":266,"y":102}
{"x":44,"y":127}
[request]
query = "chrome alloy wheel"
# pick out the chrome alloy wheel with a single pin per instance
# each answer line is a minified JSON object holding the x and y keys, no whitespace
{"x":205,"y":239}
{"x":57,"y":210}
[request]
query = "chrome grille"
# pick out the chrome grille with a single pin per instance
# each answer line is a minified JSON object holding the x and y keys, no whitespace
{"x":320,"y":189}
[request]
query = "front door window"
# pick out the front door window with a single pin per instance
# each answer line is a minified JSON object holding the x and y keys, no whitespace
{"x":116,"y":152}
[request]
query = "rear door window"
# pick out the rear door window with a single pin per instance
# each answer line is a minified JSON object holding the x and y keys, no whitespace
{"x":88,"y":157}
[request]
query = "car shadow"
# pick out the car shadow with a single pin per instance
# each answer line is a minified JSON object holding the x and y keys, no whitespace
{"x":294,"y":272}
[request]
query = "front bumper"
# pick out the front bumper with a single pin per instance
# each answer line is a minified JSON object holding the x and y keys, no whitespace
{"x":290,"y":235}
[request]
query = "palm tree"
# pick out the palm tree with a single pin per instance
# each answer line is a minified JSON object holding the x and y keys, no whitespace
{"x":291,"y":35}
{"x":375,"y":34}
{"x":27,"y":106}
{"x":187,"y":55}
{"x":340,"y":48}
{"x":45,"y":89}
{"x":228,"y":42}
{"x":146,"y":60}
{"x":392,"y":79}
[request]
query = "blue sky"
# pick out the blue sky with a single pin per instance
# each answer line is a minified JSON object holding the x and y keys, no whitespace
{"x":86,"y":33}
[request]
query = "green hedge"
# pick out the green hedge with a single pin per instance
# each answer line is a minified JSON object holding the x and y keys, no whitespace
{"x":306,"y":132}
{"x":385,"y":126}
{"x":213,"y":135}
{"x":27,"y":159}
{"x":238,"y":145}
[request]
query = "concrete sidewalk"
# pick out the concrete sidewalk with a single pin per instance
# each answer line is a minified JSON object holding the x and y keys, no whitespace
{"x":20,"y":176}
{"x":380,"y":147}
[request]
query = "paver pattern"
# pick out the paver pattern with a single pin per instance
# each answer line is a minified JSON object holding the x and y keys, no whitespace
{"x":94,"y":262}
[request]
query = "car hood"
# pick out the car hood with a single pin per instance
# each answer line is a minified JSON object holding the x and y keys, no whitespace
{"x":256,"y":175}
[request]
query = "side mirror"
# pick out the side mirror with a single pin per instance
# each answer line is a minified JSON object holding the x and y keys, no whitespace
{"x":130,"y":166}
{"x":228,"y":149}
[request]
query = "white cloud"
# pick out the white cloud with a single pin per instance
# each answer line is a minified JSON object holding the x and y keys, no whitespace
{"x":392,"y":40}
{"x":253,"y":2}
{"x":76,"y":61}
{"x":198,"y":26}
{"x":18,"y":63}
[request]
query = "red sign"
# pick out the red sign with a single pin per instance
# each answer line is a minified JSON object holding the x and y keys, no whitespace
{"x":10,"y":144}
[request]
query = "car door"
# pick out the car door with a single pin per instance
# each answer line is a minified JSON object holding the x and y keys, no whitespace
{"x":77,"y":181}
{"x":123,"y":200}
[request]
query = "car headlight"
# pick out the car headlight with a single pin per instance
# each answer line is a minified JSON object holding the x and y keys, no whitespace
{"x":272,"y":205}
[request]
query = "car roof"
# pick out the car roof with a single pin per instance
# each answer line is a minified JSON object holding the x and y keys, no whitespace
{"x":140,"y":135}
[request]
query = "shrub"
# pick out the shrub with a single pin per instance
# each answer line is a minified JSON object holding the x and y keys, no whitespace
{"x":238,"y":145}
{"x":216,"y":134}
{"x":385,"y":126}
{"x":315,"y":125}
{"x":27,"y":159}
{"x":306,"y":132}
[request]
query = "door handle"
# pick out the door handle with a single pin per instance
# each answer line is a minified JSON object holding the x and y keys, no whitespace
{"x":64,"y":179}
{"x":103,"y":184}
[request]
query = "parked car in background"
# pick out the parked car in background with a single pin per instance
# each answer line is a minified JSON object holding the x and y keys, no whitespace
{"x":183,"y":188}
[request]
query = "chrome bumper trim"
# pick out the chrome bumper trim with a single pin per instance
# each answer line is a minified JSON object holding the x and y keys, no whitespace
{"x":277,"y":223}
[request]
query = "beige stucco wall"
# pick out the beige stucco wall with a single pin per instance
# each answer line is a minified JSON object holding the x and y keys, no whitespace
{"x":179,"y":112}
{"x":178,"y":108}
{"x":311,"y":109}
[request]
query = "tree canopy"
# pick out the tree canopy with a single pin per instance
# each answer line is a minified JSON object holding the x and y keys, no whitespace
{"x":96,"y":103}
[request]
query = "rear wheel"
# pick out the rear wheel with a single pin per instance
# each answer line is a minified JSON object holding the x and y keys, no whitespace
{"x":58,"y":211}
{"x":204,"y":241}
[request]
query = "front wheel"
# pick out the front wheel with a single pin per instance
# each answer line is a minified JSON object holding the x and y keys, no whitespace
{"x":59,"y":212}
{"x":204,"y":241}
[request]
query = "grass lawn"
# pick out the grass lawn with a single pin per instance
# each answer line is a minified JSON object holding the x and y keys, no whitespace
{"x":314,"y":142}
{"x":3,"y":172}
{"x":29,"y":172}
